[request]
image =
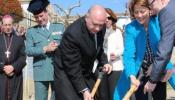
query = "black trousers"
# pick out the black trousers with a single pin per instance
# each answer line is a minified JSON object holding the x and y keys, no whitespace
{"x":65,"y":90}
{"x":107,"y":86}
{"x":158,"y":94}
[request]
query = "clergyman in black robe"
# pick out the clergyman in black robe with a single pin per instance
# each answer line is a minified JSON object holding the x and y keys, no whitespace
{"x":12,"y":61}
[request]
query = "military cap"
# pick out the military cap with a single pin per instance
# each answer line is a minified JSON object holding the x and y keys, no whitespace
{"x":37,"y":6}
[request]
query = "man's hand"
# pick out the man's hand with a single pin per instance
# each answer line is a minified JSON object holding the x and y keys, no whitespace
{"x":87,"y":95}
{"x":167,"y":75}
{"x":134,"y":81}
{"x":149,"y":87}
{"x":50,"y":47}
{"x":107,"y":68}
{"x":8,"y":69}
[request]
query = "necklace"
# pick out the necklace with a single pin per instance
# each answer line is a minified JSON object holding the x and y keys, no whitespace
{"x":7,"y":53}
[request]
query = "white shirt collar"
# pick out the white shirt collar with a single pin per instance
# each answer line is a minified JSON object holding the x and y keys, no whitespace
{"x":48,"y":25}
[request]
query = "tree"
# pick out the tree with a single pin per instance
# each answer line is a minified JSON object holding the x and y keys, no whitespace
{"x":66,"y":12}
{"x":12,"y":7}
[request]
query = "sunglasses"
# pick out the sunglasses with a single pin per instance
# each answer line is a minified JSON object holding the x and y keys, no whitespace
{"x":110,"y":18}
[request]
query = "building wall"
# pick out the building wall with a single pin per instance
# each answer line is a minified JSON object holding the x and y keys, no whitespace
{"x":25,"y":22}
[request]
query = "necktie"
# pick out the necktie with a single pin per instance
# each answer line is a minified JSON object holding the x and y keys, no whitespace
{"x":47,"y":33}
{"x":95,"y":37}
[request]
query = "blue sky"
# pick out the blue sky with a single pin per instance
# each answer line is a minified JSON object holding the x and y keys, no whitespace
{"x":115,"y":5}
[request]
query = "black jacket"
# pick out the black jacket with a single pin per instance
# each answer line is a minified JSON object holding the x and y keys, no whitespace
{"x":75,"y":58}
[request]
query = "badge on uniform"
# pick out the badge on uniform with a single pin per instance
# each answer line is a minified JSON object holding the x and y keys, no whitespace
{"x":57,"y":36}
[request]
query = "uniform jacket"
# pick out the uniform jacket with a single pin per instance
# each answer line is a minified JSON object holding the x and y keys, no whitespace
{"x":36,"y":39}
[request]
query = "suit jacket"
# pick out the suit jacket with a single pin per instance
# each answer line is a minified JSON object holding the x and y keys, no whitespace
{"x":36,"y":39}
{"x":134,"y":51}
{"x":75,"y":59}
{"x":164,"y":52}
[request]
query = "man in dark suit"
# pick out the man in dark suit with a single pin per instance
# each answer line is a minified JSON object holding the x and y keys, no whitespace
{"x":12,"y":61}
{"x":165,"y":10}
{"x":81,"y":45}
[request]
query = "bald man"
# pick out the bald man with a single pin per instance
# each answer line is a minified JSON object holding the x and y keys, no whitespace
{"x":81,"y":45}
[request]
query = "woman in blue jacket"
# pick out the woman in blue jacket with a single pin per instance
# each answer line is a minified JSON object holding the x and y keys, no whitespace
{"x":141,"y":40}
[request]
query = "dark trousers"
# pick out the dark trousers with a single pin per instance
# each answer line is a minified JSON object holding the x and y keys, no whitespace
{"x":65,"y":90}
{"x":158,"y":94}
{"x":107,"y":85}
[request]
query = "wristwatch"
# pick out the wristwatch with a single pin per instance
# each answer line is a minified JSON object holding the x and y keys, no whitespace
{"x":86,"y":89}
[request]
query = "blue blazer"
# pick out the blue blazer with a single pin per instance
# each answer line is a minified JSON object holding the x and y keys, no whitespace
{"x":134,"y":50}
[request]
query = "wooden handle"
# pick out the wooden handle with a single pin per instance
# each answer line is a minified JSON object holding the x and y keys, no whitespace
{"x":130,"y":92}
{"x":97,"y":83}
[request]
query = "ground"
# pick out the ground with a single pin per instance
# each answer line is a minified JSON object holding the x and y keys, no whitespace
{"x":29,"y":92}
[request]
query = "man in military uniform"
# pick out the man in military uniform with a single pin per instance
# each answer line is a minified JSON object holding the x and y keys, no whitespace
{"x":41,"y":42}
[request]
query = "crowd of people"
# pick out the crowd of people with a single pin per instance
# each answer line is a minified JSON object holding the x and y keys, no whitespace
{"x":70,"y":59}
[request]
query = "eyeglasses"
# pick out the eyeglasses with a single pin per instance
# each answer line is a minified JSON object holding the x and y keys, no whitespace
{"x":110,"y":18}
{"x":151,"y":3}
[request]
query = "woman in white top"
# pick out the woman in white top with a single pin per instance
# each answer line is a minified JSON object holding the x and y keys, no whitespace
{"x":113,"y":47}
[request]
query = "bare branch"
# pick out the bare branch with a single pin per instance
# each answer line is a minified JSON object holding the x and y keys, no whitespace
{"x":74,"y":6}
{"x":66,"y":12}
{"x":78,"y":15}
{"x":52,"y":13}
{"x":61,"y":8}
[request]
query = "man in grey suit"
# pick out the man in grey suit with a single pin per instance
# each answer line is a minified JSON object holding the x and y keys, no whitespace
{"x":165,"y":11}
{"x":41,"y":42}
